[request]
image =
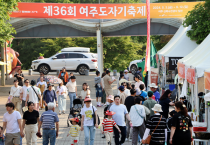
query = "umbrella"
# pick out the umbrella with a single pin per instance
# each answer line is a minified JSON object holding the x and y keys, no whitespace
{"x":2,"y":63}
{"x":53,"y":79}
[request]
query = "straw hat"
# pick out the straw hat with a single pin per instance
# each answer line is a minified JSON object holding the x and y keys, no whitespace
{"x":153,"y":85}
{"x":157,"y":108}
{"x":110,"y":112}
{"x":87,"y":99}
{"x":74,"y":119}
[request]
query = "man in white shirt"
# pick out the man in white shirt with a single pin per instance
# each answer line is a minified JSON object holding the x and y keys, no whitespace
{"x":12,"y":124}
{"x":15,"y":93}
{"x":72,"y":88}
{"x":33,"y":95}
{"x":24,"y":93}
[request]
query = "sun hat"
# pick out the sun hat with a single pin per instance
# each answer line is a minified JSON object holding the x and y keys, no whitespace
{"x":111,"y":97}
{"x":157,"y":108}
{"x":110,"y":112}
{"x":153,"y":85}
{"x":74,"y":119}
{"x":87,"y":99}
{"x":49,"y":85}
{"x":150,"y":93}
{"x":125,"y":70}
{"x":121,"y":88}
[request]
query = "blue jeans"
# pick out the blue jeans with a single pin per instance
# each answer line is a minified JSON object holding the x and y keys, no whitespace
{"x":72,"y":96}
{"x":99,"y":92}
{"x":90,"y":129}
{"x":49,"y":134}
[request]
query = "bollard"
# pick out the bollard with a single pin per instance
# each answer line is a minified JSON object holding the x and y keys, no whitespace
{"x":87,"y":72}
{"x":114,"y":72}
{"x":58,"y":71}
{"x":30,"y":72}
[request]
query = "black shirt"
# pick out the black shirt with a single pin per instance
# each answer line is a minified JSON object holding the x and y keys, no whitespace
{"x":31,"y":117}
{"x":129,"y":101}
{"x":20,"y":81}
{"x":168,"y":124}
{"x":165,"y":104}
{"x":182,"y":132}
{"x":158,"y":137}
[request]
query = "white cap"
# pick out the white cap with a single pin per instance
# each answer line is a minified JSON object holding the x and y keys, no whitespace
{"x":153,"y":85}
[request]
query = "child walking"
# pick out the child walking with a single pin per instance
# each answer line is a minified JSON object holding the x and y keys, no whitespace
{"x":74,"y":131}
{"x":108,"y":124}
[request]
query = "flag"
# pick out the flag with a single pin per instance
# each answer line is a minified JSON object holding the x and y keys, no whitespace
{"x":147,"y":61}
{"x":153,"y":53}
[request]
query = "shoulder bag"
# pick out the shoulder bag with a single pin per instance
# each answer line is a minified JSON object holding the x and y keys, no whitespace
{"x":35,"y":93}
{"x":148,"y":139}
{"x":94,"y":117}
{"x":138,"y":112}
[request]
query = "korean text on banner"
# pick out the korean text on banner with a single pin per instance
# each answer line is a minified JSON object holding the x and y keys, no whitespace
{"x":102,"y":11}
{"x":154,"y":75}
{"x":181,"y":70}
{"x":191,"y":75}
{"x":207,"y":80}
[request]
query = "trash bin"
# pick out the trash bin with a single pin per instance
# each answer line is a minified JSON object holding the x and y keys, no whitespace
{"x":87,"y":72}
{"x":114,"y":72}
{"x":58,"y":72}
{"x":30,"y":72}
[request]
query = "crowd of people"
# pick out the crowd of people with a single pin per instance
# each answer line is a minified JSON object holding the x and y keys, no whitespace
{"x":133,"y":114}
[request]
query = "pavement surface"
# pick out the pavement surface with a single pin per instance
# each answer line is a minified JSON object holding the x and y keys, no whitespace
{"x":64,"y":129}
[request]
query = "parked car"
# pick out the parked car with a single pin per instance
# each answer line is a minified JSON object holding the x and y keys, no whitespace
{"x":76,"y":59}
{"x":133,"y":65}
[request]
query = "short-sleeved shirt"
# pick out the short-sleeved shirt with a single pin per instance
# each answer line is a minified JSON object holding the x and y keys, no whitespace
{"x":31,"y":117}
{"x":12,"y":122}
{"x":71,"y":86}
{"x":74,"y":130}
{"x":129,"y":101}
{"x":150,"y":103}
{"x":107,"y":78}
{"x":120,"y":111}
{"x":165,"y":104}
{"x":48,"y":119}
{"x":49,"y":96}
{"x":108,"y":124}
{"x":98,"y":81}
{"x":24,"y":90}
{"x":88,"y":115}
{"x":32,"y":95}
{"x":18,"y":78}
{"x":182,"y":132}
{"x":157,"y":96}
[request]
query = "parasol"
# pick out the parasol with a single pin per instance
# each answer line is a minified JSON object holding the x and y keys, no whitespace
{"x":53,"y":79}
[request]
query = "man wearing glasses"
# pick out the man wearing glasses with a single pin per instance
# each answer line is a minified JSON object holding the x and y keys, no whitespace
{"x":24,"y":93}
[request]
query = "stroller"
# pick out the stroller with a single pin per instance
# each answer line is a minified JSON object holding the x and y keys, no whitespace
{"x":75,"y":111}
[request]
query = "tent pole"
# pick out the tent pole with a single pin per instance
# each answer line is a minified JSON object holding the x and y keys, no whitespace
{"x":196,"y":94}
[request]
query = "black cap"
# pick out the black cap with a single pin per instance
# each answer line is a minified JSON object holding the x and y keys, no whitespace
{"x":49,"y":85}
{"x":73,"y":77}
{"x":201,"y":94}
{"x":33,"y":82}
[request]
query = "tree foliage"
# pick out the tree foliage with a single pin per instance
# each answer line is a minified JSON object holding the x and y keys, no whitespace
{"x":199,"y":20}
{"x":6,"y":29}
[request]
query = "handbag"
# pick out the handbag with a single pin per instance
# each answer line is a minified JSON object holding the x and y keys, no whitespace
{"x":148,"y":139}
{"x":94,"y":117}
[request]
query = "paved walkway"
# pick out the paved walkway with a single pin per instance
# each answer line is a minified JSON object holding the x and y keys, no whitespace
{"x":62,"y":138}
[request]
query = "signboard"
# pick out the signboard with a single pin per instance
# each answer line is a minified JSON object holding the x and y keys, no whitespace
{"x":207,"y":80}
{"x":181,"y":70}
{"x":102,"y":11}
{"x":191,"y":75}
{"x":154,"y":76}
{"x":173,"y":62}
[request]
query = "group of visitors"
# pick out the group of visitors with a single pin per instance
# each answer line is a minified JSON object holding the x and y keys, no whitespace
{"x":132,"y":115}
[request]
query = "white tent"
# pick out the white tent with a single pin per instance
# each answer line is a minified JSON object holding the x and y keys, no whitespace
{"x":173,"y":40}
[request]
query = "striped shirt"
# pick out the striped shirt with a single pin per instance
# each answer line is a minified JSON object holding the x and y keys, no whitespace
{"x":158,"y":136}
{"x":48,"y":119}
{"x":74,"y":130}
{"x":108,"y":124}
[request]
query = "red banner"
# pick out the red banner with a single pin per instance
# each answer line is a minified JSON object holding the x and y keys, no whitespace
{"x":191,"y":75}
{"x":163,"y":61}
{"x":181,"y":70}
{"x":154,"y":76}
{"x":102,"y":11}
{"x":147,"y":61}
{"x":207,"y":80}
{"x":157,"y":58}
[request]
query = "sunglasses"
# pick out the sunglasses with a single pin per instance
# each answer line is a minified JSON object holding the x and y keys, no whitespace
{"x":87,"y":101}
{"x":26,"y":82}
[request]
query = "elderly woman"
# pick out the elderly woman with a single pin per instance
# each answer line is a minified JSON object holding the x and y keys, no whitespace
{"x":87,"y":122}
{"x":181,"y":129}
{"x":156,"y":126}
{"x":62,"y":93}
{"x":30,"y":119}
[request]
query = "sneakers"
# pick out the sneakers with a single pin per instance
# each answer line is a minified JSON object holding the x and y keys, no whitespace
{"x":128,"y":139}
{"x":103,"y":136}
{"x":63,"y":112}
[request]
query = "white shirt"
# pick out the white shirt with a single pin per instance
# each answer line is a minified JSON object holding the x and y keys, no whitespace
{"x":126,"y":76}
{"x":137,"y":84}
{"x":24,"y":90}
{"x":137,"y":118}
{"x":71,"y":86}
{"x":32,"y":95}
{"x":42,"y":83}
{"x":83,"y":93}
{"x":12,"y":122}
{"x":61,"y":89}
{"x":126,"y":91}
{"x":15,"y":91}
{"x":102,"y":81}
{"x":88,"y":112}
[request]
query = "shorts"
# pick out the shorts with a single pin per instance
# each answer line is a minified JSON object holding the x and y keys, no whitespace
{"x":108,"y":92}
{"x":99,"y":92}
{"x":12,"y":138}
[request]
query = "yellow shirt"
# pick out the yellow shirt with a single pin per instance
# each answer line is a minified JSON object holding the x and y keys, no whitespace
{"x":74,"y":130}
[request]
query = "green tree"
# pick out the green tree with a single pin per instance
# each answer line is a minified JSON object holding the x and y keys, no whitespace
{"x":6,"y":29}
{"x":199,"y":20}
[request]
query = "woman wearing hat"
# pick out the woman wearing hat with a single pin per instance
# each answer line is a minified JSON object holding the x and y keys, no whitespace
{"x":30,"y":119}
{"x":181,"y":129}
{"x":126,"y":76}
{"x":159,"y":135}
{"x":165,"y":103}
{"x":63,"y":75}
{"x":87,"y":122}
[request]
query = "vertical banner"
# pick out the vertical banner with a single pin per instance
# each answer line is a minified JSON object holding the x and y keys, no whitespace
{"x":147,"y":62}
{"x":207,"y":80}
{"x":191,"y":75}
{"x":154,"y":75}
{"x":181,"y":70}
